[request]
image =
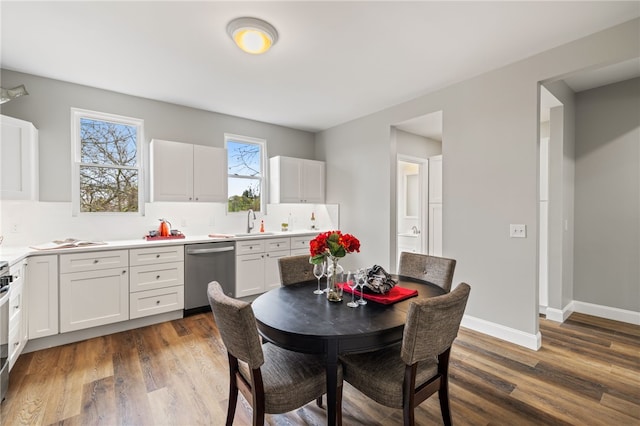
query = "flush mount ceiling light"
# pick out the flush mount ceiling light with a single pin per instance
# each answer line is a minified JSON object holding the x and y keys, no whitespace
{"x":252,"y":35}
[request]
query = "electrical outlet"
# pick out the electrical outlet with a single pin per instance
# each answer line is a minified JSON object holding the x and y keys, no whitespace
{"x":517,"y":231}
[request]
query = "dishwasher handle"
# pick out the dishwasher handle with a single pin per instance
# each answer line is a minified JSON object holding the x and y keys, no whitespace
{"x":209,"y":250}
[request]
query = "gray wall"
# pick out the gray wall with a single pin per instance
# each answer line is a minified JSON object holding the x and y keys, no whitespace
{"x":490,"y":145}
{"x":48,"y":108}
{"x":607,"y":196}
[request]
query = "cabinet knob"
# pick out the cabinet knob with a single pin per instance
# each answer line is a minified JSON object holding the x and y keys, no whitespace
{"x":157,"y":302}
{"x":190,"y":198}
{"x":16,"y":343}
{"x":196,"y":198}
{"x":16,"y":307}
{"x":157,"y":256}
{"x":124,"y":272}
{"x":157,"y":277}
{"x":95,"y":261}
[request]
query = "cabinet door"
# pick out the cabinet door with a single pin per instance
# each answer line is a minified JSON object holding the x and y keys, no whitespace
{"x":41,"y":281}
{"x":312,"y":178}
{"x":18,"y":160}
{"x":435,"y":229}
{"x":93,"y":298}
{"x":288,"y":180}
{"x":435,"y":179}
{"x":249,"y":274}
{"x":171,"y":171}
{"x":209,"y":174}
{"x":271,"y":270}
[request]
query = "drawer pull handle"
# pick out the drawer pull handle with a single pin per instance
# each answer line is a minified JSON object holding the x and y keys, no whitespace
{"x":95,"y":261}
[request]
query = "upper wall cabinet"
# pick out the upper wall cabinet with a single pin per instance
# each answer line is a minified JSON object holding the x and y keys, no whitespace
{"x":296,"y":180}
{"x":186,"y":172}
{"x":18,"y":160}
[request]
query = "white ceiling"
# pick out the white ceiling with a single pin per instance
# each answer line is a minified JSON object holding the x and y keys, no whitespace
{"x":334,"y":62}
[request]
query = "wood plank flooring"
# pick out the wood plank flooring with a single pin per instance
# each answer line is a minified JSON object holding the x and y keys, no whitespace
{"x":175,"y":373}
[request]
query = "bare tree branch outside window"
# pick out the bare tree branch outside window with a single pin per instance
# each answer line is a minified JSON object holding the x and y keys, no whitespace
{"x":108,"y":169}
{"x":245,"y":176}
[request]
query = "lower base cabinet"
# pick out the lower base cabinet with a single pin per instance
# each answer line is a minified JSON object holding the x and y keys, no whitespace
{"x":93,"y":298}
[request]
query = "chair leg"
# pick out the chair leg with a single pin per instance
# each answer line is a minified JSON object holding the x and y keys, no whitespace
{"x":233,"y":401}
{"x":443,"y":395}
{"x":319,"y":401}
{"x":407,"y":415}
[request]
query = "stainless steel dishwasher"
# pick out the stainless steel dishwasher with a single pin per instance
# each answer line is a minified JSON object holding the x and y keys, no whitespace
{"x":206,"y":262}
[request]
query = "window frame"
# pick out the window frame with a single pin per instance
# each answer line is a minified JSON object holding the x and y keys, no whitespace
{"x":264,"y":183}
{"x":76,"y":155}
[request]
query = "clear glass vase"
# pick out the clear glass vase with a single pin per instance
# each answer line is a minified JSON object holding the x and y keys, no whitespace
{"x":334,"y":276}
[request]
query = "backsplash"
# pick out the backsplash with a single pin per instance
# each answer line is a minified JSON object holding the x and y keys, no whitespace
{"x":24,"y":223}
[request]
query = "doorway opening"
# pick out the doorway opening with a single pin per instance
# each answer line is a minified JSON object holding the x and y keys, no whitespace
{"x":418,"y":212}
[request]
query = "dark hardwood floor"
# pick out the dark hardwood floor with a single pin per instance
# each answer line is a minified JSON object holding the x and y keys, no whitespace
{"x":586,"y":373}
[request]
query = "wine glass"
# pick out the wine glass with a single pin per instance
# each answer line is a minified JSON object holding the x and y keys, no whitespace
{"x":361,"y":281}
{"x":318,"y":272}
{"x":352,"y":283}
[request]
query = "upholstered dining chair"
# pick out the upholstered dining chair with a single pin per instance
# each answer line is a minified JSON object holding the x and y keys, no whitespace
{"x":437,"y":270}
{"x":404,"y":375}
{"x":295,"y":269}
{"x":273,"y":380}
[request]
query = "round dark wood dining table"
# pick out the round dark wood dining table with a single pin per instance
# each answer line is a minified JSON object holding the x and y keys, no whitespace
{"x":294,"y":318}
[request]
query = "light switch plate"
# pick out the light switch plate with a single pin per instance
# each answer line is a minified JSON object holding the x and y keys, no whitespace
{"x":518,"y":231}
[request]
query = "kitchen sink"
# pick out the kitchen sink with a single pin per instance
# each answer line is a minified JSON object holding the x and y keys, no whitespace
{"x":253,"y":234}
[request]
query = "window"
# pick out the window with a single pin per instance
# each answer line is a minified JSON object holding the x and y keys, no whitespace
{"x":107,"y":163}
{"x":246,"y":163}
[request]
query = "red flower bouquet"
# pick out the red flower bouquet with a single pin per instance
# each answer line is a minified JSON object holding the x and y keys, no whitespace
{"x":332,"y":244}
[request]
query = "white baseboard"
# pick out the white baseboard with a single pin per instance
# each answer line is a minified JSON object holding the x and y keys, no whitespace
{"x":560,"y":315}
{"x":615,"y":314}
{"x":529,"y":341}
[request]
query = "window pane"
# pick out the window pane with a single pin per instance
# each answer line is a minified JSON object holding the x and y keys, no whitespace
{"x":105,"y":189}
{"x":244,"y":159}
{"x":244,"y":194}
{"x":103,"y":142}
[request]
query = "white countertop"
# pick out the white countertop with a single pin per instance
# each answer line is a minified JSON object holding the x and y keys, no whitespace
{"x":16,"y":254}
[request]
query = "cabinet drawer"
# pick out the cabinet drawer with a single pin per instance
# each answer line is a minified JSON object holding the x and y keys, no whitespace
{"x":277,"y":244}
{"x":300,"y":243}
{"x":149,"y":277}
{"x":152,"y":302}
{"x":248,"y":247}
{"x":154,"y":255}
{"x":93,"y":260}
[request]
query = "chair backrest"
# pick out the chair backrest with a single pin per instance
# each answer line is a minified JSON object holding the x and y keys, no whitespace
{"x":237,"y":326}
{"x":432,"y":324}
{"x":437,"y":270}
{"x":295,"y":269}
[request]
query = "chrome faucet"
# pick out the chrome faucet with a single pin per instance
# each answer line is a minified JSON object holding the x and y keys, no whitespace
{"x":250,"y":224}
{"x":414,"y":229}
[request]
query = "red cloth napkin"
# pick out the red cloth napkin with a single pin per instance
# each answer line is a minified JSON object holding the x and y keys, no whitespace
{"x":394,"y":295}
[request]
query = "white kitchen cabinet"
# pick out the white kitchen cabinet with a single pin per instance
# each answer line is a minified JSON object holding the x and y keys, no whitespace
{"x":435,"y":179}
{"x":296,"y":180}
{"x":18,"y":321}
{"x":435,"y":229}
{"x":257,"y":264}
{"x":157,"y":280}
{"x":41,"y":280}
{"x":186,"y":172}
{"x":18,"y":160}
{"x":92,"y":296}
